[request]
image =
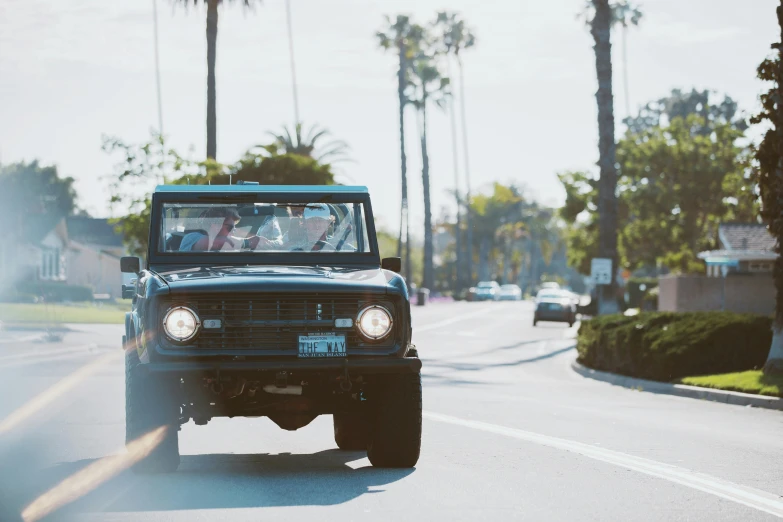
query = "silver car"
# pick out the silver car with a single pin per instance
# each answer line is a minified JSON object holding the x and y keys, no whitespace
{"x":487,"y":291}
{"x":510,"y":293}
{"x":555,"y":305}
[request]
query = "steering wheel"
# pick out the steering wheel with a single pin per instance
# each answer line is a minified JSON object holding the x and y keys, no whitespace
{"x":320,"y":244}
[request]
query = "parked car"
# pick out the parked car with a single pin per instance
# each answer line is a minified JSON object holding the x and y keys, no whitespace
{"x":270,"y":301}
{"x":550,"y":286}
{"x":510,"y":293}
{"x":487,"y":291}
{"x":555,"y":305}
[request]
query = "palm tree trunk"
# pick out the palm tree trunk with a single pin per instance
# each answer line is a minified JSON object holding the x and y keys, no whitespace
{"x":403,"y":169}
{"x":774,"y":364}
{"x":428,"y":279}
{"x":455,"y":159}
{"x":607,"y":185}
{"x":468,"y":216}
{"x":212,"y":27}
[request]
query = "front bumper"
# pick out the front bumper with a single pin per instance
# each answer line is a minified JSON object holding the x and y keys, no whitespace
{"x":354,"y":366}
{"x":555,"y":315}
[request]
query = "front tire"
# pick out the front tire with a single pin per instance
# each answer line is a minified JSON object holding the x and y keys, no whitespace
{"x":351,"y":431}
{"x":395,"y":441}
{"x":150,"y":403}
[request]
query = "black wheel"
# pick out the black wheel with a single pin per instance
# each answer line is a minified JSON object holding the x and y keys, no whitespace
{"x":535,"y":321}
{"x":395,"y":441}
{"x":351,"y":431}
{"x":150,"y":403}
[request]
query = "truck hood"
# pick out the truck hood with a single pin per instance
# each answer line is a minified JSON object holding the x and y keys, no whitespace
{"x":234,"y":279}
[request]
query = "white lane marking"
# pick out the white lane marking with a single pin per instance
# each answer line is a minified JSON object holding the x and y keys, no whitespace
{"x":751,"y":497}
{"x":42,"y":353}
{"x":20,"y":339}
{"x":452,"y":320}
{"x":42,"y":360}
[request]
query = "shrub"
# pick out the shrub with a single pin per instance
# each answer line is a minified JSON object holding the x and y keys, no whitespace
{"x":56,"y":292}
{"x":667,"y":345}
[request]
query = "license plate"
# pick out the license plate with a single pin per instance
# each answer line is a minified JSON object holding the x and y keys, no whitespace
{"x":322,"y":345}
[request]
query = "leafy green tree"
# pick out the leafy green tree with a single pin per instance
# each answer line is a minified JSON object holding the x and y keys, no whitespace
{"x":142,"y":166}
{"x":769,"y":174}
{"x":705,"y":103}
{"x":34,"y":195}
{"x":310,"y":144}
{"x":402,"y":36}
{"x":427,"y":85}
{"x":138,"y":169}
{"x":675,"y":188}
{"x":212,"y":30}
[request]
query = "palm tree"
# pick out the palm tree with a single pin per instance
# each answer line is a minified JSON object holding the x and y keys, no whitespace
{"x":427,"y":85}
{"x":600,"y":28}
{"x":310,"y":144}
{"x":212,"y":28}
{"x":624,"y":14}
{"x":455,"y":36}
{"x":401,"y":36}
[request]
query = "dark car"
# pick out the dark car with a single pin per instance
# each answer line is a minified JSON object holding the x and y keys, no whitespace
{"x":555,"y":305}
{"x":270,"y":301}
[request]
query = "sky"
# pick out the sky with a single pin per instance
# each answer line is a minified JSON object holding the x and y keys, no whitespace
{"x":72,"y":71}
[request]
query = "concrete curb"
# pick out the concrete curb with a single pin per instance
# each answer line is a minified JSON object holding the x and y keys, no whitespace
{"x":681,"y":390}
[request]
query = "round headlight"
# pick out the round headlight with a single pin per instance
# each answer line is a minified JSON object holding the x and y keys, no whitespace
{"x":375,"y":322}
{"x":181,"y":324}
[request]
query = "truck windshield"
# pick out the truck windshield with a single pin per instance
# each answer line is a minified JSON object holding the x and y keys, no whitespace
{"x":263,"y":227}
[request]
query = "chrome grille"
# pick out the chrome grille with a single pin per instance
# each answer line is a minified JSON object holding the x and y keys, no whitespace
{"x":272,"y":322}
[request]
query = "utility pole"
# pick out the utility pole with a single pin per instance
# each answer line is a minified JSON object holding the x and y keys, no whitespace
{"x":293,"y":63}
{"x":157,"y":66}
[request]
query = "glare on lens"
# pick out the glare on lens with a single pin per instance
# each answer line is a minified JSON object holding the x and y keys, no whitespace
{"x":181,"y":324}
{"x":375,"y":323}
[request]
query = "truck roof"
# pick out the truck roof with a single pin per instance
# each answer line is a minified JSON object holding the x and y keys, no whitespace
{"x":304,"y":189}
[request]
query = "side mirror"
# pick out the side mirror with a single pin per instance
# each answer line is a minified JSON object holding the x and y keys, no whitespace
{"x":130,"y":265}
{"x":128,"y":291}
{"x":392,"y":263}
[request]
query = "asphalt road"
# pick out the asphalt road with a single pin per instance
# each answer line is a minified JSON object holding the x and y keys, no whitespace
{"x":510,"y":432}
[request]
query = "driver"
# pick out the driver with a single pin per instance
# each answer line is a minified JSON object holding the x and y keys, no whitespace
{"x":309,"y":228}
{"x":210,"y":226}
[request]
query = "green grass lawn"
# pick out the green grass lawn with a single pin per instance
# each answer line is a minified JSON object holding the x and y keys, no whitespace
{"x":12,"y":313}
{"x":753,"y":381}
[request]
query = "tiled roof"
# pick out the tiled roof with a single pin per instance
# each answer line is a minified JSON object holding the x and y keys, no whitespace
{"x":746,"y":236}
{"x":93,"y":231}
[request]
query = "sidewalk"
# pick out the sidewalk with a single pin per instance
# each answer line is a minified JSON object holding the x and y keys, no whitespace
{"x":680,"y":390}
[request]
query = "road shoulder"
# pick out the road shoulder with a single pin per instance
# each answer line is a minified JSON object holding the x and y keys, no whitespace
{"x":680,"y":390}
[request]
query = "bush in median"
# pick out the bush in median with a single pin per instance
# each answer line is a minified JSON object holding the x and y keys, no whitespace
{"x":664,"y":345}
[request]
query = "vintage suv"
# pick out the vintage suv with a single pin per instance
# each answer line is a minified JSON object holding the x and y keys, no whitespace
{"x":270,"y":301}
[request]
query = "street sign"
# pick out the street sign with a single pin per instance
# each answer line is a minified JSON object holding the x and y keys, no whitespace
{"x":601,"y":271}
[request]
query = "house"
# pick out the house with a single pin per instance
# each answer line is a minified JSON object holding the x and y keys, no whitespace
{"x":738,"y":275}
{"x":76,"y":250}
{"x":745,"y":248}
{"x":93,"y":255}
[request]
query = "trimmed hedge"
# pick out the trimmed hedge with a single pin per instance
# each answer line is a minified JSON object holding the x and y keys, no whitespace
{"x":664,"y":346}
